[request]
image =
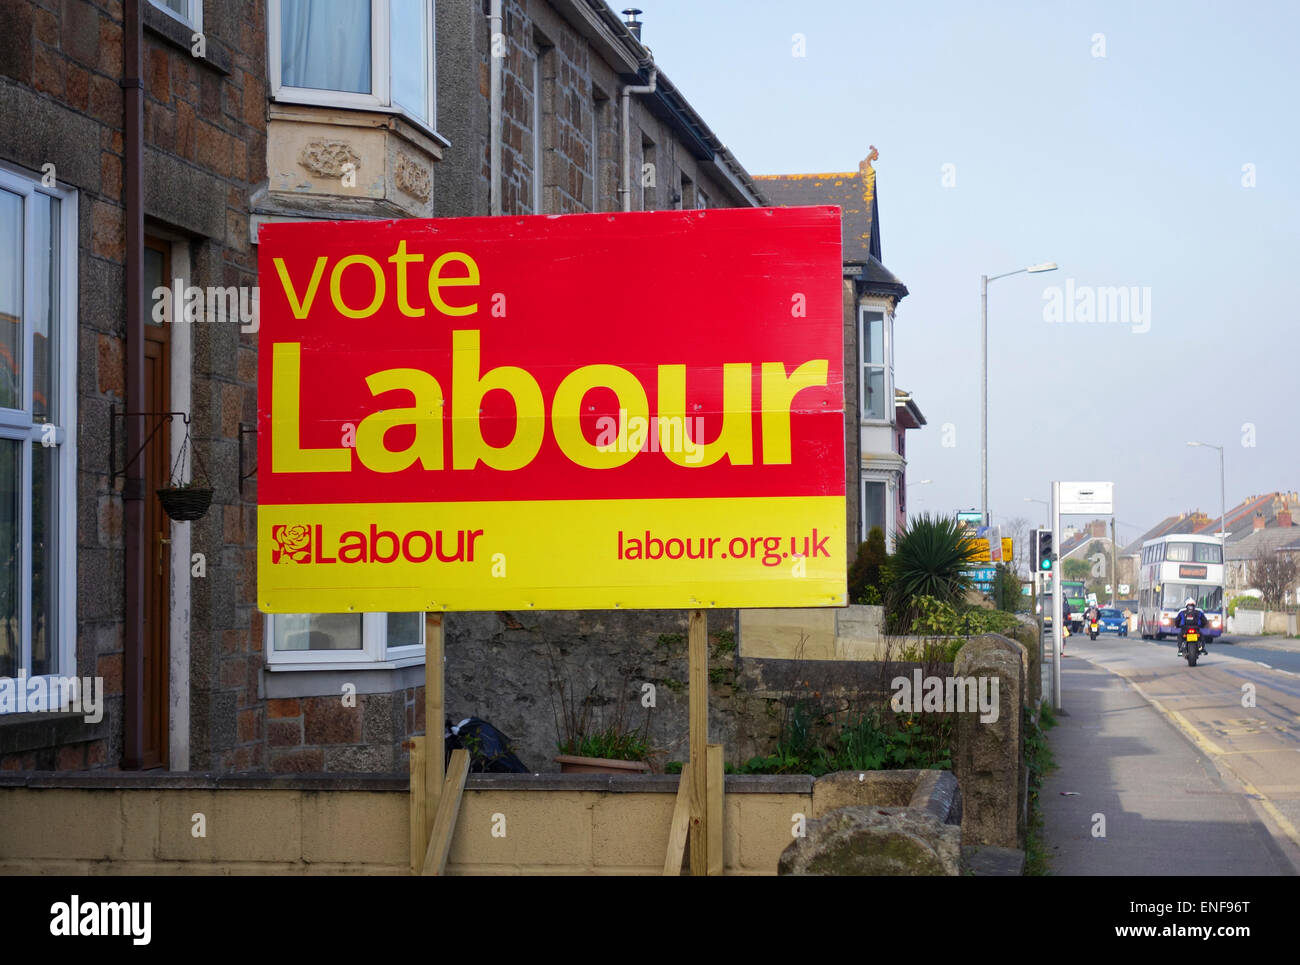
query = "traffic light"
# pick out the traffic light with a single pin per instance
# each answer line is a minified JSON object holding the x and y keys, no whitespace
{"x":1044,"y":554}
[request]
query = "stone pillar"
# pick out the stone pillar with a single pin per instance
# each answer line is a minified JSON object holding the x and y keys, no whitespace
{"x":989,"y":757}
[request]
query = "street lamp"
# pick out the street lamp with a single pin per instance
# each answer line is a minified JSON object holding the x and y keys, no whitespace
{"x":984,"y":388}
{"x":1031,"y":499}
{"x":1223,"y":505}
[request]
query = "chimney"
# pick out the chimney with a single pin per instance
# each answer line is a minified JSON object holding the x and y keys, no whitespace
{"x":632,"y":23}
{"x":1284,"y":517}
{"x":1259,"y":520}
{"x":1098,"y":528}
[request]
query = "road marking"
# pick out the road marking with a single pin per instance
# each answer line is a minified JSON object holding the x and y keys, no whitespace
{"x":1209,"y":747}
{"x":1263,"y":664}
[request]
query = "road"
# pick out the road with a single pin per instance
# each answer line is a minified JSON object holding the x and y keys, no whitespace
{"x":1195,"y":770}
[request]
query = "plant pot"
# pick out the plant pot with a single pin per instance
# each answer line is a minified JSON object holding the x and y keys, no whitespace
{"x":570,"y":764}
{"x":185,"y":504}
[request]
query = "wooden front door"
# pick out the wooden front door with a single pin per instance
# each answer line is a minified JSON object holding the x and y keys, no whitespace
{"x":157,"y":468}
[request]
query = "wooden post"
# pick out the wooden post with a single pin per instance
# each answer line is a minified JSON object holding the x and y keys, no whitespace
{"x":434,"y":719}
{"x":713,"y":808}
{"x":444,"y":822}
{"x":419,"y":836}
{"x":699,"y":738}
{"x":680,"y":826}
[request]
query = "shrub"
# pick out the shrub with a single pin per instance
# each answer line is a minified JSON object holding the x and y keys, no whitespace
{"x":866,"y":573}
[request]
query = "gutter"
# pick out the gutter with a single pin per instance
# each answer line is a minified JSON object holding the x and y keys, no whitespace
{"x":134,"y":488}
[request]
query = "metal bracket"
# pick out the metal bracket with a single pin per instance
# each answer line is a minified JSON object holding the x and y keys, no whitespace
{"x":113,"y":416}
{"x":245,"y":430}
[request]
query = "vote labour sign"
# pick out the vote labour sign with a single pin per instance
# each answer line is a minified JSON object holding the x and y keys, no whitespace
{"x":590,"y":411}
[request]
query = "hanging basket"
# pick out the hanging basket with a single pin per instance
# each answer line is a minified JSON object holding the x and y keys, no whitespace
{"x":187,"y":503}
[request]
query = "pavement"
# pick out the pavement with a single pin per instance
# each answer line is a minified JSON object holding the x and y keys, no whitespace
{"x":1162,"y":770}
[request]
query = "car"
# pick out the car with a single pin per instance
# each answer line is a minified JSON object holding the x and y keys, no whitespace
{"x":1112,"y":621}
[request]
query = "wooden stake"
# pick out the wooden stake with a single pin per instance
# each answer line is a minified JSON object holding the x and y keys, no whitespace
{"x":713,"y":808}
{"x":444,"y":822}
{"x":419,"y":836}
{"x":699,"y":738}
{"x":434,"y":719}
{"x":680,"y":826}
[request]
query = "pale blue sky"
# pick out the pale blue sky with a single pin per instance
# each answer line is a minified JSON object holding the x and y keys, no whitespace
{"x":1126,"y":170}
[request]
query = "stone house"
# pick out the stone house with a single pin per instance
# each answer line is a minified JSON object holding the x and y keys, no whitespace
{"x":146,"y":143}
{"x":877,"y":414}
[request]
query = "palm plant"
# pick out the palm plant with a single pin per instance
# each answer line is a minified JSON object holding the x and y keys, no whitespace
{"x":931,"y":558}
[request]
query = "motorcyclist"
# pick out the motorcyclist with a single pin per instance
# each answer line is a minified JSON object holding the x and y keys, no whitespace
{"x":1190,"y":616}
{"x":1092,"y":614}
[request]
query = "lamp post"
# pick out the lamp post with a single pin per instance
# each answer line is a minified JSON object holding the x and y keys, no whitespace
{"x":1223,"y":504}
{"x":1031,"y":499}
{"x":984,"y":385}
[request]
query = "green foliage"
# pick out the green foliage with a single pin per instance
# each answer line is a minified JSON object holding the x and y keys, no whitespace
{"x":1076,"y":569}
{"x":671,"y":641}
{"x":1006,"y":590}
{"x":612,"y":743}
{"x":939,"y":618}
{"x":866,"y":575}
{"x":1245,"y":602}
{"x":877,"y":739}
{"x":1039,"y":762}
{"x":931,"y":559}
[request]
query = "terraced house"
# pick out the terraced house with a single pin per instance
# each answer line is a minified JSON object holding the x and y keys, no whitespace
{"x":144,"y":144}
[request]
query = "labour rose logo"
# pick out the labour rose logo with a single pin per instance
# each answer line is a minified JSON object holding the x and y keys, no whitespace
{"x":291,"y":543}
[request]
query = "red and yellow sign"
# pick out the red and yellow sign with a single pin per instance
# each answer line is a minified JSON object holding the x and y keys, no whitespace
{"x":580,"y":412}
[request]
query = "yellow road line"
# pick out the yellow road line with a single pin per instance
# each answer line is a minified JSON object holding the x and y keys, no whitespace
{"x":1213,"y":750}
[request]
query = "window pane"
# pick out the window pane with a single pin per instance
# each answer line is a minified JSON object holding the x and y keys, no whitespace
{"x":404,"y":629}
{"x":410,"y":56}
{"x":325,"y":44}
{"x":45,"y":307}
{"x":11,"y":630}
{"x":11,"y":300}
{"x":1178,"y":552}
{"x":873,"y":337}
{"x":1209,"y":553}
{"x":45,"y":556}
{"x":873,"y":512}
{"x":873,"y":385}
{"x":317,"y":631}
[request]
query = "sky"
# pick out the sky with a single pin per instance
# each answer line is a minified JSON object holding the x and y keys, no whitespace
{"x":1153,"y":146}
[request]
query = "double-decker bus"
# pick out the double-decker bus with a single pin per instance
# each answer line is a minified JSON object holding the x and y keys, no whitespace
{"x":1172,"y":569}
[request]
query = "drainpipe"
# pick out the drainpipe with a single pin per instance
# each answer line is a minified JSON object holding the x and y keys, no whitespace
{"x":494,"y":96}
{"x":133,"y":492}
{"x":626,"y":190}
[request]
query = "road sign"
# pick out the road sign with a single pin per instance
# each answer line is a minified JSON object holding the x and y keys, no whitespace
{"x":982,"y":554}
{"x":1079,"y":498}
{"x":528,"y":413}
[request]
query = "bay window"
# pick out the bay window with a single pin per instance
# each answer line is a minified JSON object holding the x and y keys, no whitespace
{"x":875,"y":393}
{"x":38,"y":338}
{"x":370,"y":54}
{"x":344,"y":641}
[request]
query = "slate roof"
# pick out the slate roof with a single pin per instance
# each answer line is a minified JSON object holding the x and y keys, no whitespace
{"x":1261,"y":540}
{"x":855,"y":194}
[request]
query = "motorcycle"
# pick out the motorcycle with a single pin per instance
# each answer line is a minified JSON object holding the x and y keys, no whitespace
{"x":1092,"y":630}
{"x":1191,"y":645}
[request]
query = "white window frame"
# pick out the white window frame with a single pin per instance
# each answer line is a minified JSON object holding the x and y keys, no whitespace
{"x":884,"y":479}
{"x":193,"y":17}
{"x":18,"y":424}
{"x":375,"y":654}
{"x":380,"y":96}
{"x":886,"y":364}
